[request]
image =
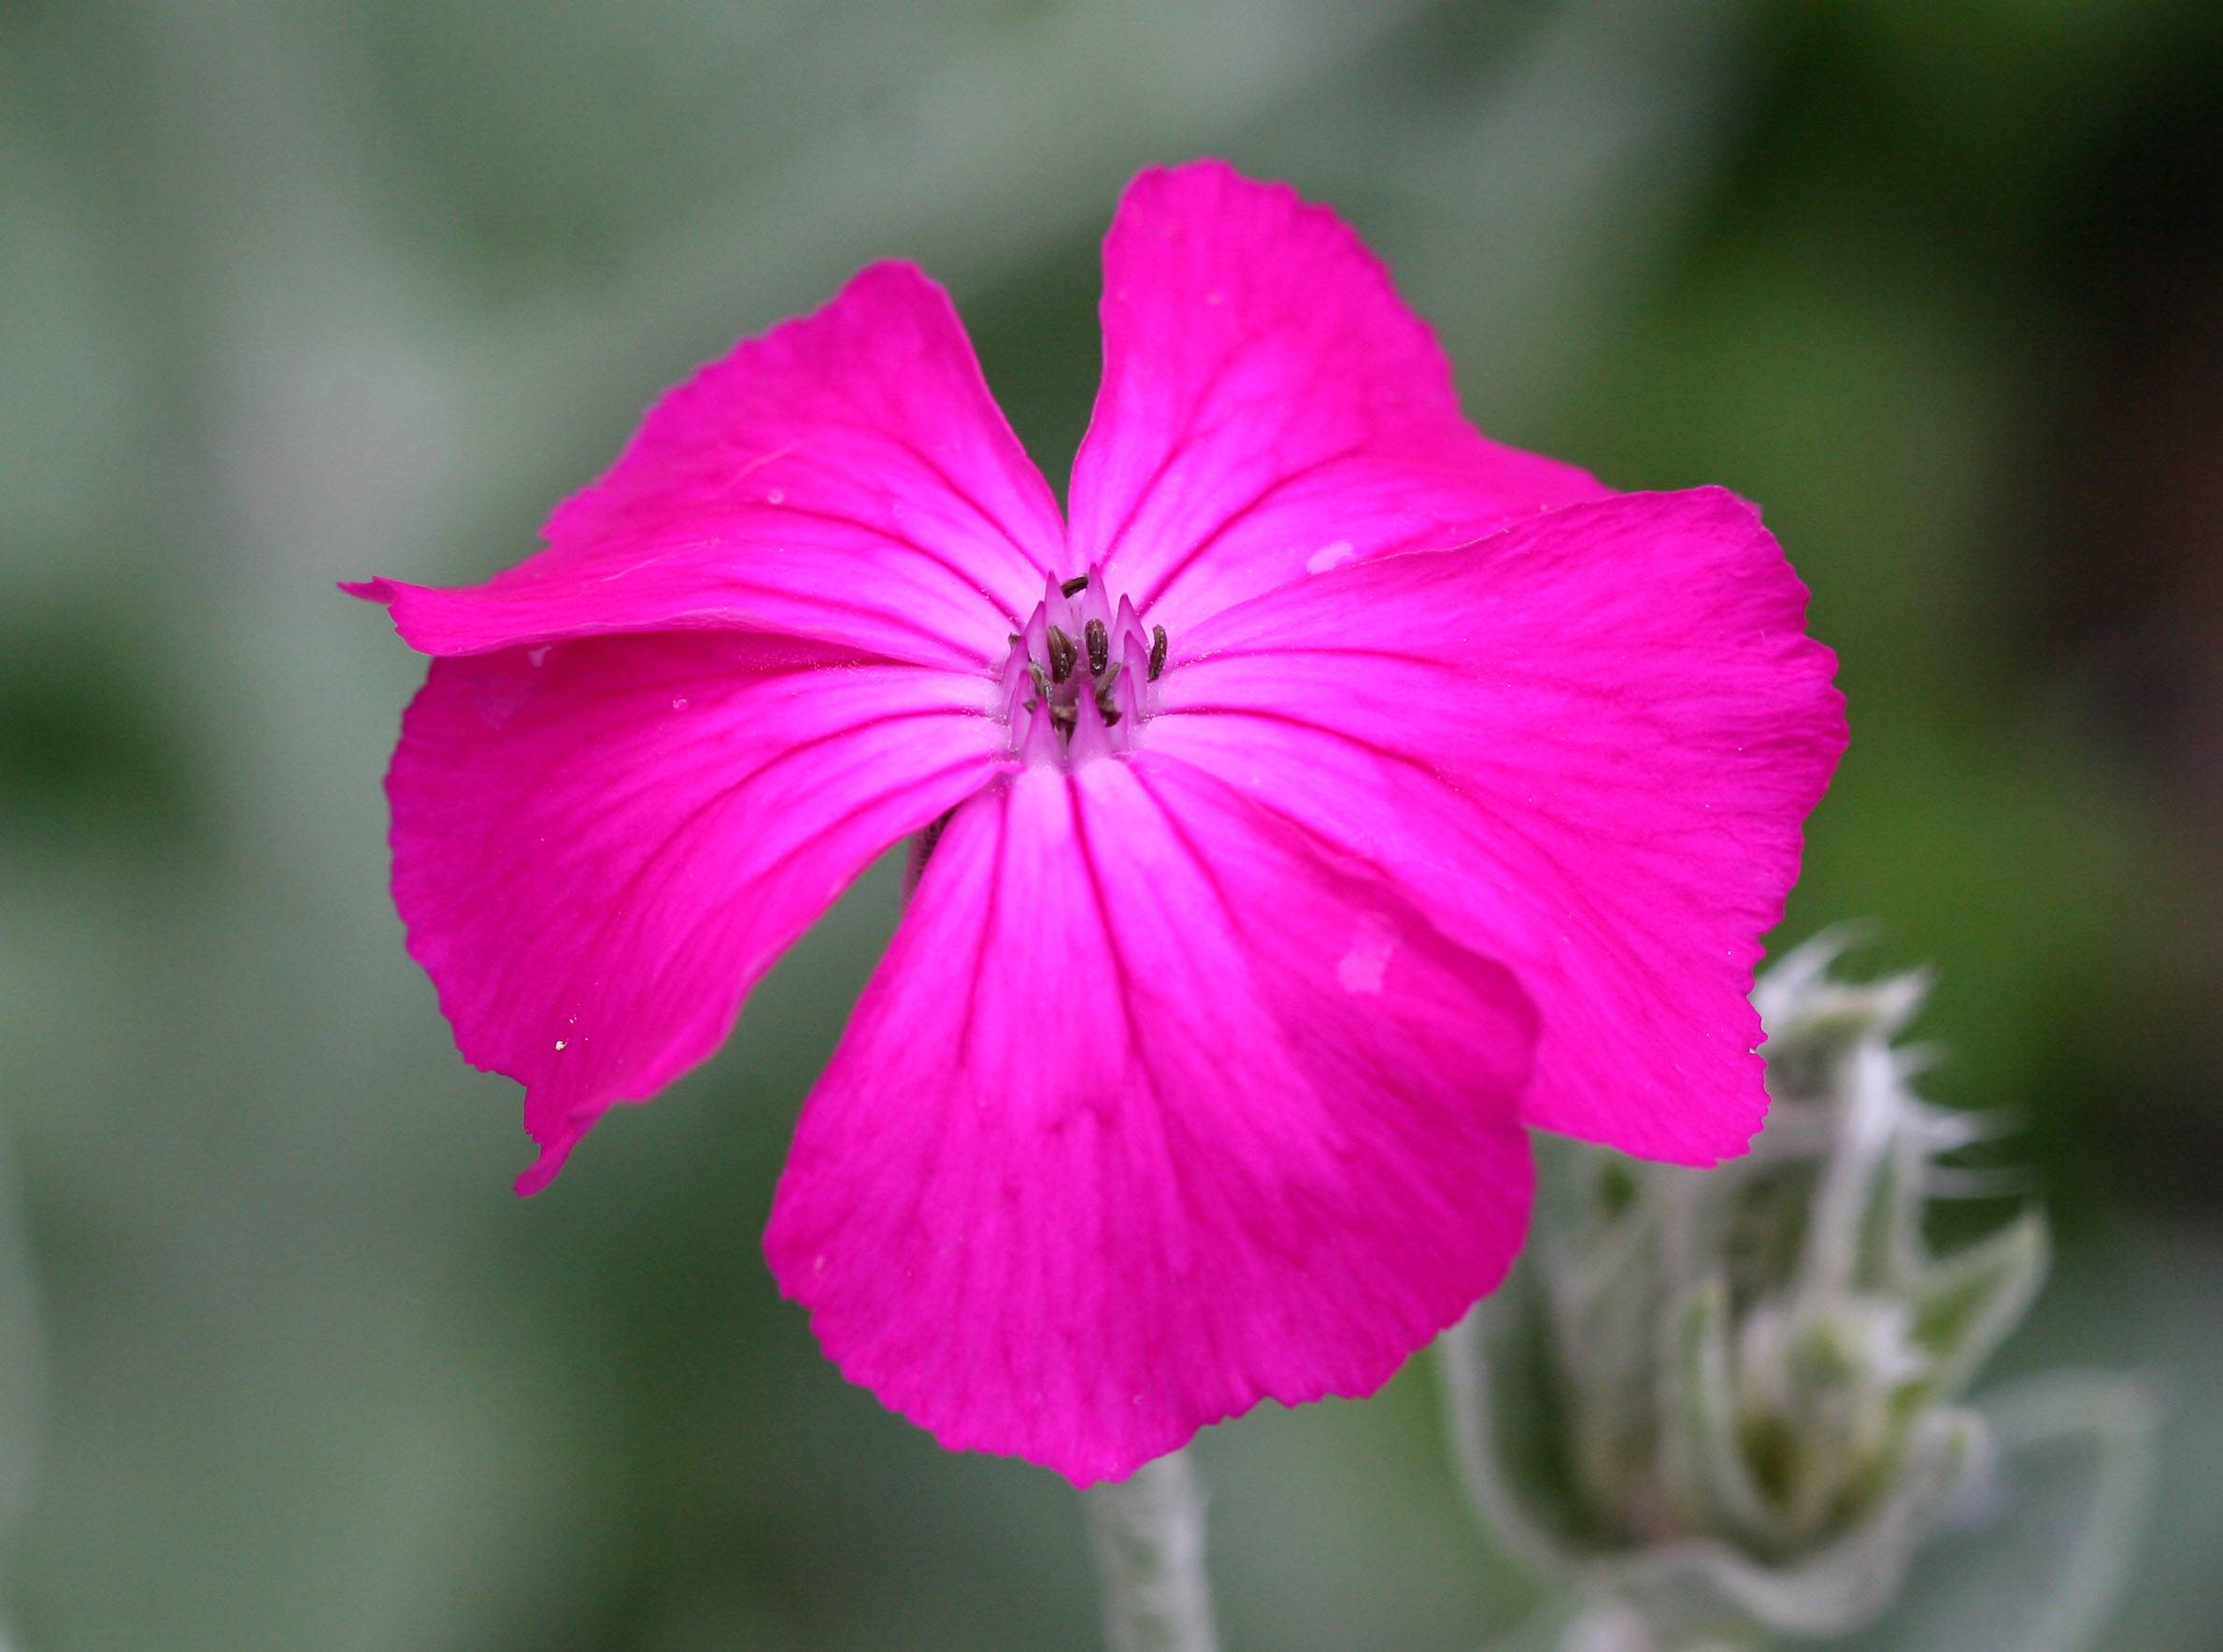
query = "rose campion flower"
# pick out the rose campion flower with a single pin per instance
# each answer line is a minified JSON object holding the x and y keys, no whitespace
{"x":1331,"y":794}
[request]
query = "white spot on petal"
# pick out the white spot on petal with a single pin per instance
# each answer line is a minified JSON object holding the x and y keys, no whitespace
{"x":1330,"y":556}
{"x":776,"y":496}
{"x":1362,"y":968}
{"x":679,"y":702}
{"x":559,"y":1044}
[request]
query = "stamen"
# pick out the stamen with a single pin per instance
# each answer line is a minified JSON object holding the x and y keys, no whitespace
{"x":1059,"y":715}
{"x":1061,"y":655}
{"x":1105,"y":704}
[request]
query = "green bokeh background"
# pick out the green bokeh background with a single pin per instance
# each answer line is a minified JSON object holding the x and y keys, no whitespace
{"x":298,"y":290}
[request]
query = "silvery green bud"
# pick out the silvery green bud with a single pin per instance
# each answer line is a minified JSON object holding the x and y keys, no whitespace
{"x":1727,"y":1405}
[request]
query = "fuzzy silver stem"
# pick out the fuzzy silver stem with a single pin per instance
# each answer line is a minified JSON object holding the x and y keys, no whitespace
{"x":1148,"y":1531}
{"x":1610,"y":1625}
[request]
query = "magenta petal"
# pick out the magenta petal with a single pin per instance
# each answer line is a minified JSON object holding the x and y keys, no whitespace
{"x":1270,"y":407}
{"x":1152,"y":1110}
{"x":598,"y":846}
{"x":847,"y":477}
{"x":1585,"y":747}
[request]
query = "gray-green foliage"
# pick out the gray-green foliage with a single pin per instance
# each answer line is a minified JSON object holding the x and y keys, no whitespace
{"x":1733,"y":1402}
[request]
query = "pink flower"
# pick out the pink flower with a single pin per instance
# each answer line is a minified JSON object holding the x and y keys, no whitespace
{"x":1381,"y":793}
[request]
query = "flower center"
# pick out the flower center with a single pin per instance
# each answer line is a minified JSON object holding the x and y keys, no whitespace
{"x":1078,"y":682}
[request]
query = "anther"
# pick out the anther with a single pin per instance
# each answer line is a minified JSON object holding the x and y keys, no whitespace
{"x":1061,"y":655}
{"x":1105,"y":705}
{"x":1052,"y":708}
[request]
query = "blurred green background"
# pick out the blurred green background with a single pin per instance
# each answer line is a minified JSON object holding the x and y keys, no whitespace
{"x":298,"y":290}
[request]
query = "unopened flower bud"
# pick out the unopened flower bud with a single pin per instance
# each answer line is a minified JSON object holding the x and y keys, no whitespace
{"x":1735,"y":1394}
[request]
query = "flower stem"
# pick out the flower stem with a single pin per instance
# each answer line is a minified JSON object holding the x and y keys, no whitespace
{"x":1148,"y":1531}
